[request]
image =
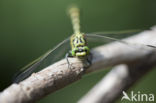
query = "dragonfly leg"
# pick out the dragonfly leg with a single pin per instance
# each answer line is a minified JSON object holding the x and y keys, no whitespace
{"x":89,"y":59}
{"x":68,"y":55}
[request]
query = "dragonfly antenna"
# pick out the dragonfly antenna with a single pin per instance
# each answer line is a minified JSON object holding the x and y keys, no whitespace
{"x":74,"y":13}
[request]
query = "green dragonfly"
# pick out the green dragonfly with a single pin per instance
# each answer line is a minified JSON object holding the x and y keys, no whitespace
{"x":74,"y":46}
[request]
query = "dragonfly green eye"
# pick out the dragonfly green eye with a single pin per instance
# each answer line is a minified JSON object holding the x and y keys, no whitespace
{"x":73,"y":52}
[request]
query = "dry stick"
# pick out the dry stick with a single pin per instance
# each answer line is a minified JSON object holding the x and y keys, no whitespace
{"x":58,"y":75}
{"x":119,"y":79}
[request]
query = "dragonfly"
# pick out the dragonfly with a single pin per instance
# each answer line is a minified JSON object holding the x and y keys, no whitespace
{"x":77,"y":45}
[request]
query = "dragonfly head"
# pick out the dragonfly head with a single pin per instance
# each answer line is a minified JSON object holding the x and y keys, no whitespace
{"x":79,"y":45}
{"x":80,"y":51}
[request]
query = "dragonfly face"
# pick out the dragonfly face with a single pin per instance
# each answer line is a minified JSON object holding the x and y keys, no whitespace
{"x":79,"y":45}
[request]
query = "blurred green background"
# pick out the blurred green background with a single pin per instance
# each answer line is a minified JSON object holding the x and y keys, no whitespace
{"x":28,"y":28}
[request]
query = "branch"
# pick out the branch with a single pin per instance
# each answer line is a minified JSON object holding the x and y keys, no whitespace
{"x":119,"y":79}
{"x":58,"y":75}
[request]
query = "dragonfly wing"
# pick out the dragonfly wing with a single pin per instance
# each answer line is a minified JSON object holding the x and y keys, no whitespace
{"x":105,"y":38}
{"x":53,"y":55}
{"x":116,"y":34}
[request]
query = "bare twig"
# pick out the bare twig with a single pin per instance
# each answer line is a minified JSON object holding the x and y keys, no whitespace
{"x":59,"y":75}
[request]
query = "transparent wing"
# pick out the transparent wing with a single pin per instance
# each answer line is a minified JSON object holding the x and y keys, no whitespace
{"x":116,"y":34}
{"x":106,"y":37}
{"x":53,"y":55}
{"x":98,"y":38}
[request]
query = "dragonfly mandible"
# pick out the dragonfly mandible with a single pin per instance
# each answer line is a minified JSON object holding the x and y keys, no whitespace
{"x":78,"y":43}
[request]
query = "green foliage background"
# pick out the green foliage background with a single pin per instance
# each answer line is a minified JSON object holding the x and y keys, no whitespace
{"x":28,"y":28}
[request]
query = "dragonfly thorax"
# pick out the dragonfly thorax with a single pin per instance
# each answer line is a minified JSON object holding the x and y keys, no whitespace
{"x":79,"y":45}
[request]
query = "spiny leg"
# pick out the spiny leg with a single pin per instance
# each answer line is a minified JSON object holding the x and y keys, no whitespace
{"x":89,"y":59}
{"x":68,"y":55}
